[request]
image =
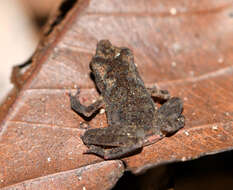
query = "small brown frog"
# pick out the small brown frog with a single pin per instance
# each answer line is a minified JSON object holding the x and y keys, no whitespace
{"x":133,"y":118}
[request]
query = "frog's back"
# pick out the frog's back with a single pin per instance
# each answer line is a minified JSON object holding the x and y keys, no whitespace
{"x":126,"y":98}
{"x":129,"y":103}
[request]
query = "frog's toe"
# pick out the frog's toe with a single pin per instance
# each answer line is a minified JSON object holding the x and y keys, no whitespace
{"x":95,"y":150}
{"x":169,"y":127}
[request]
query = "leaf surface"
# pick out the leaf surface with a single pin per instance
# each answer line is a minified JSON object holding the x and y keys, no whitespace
{"x":182,"y":46}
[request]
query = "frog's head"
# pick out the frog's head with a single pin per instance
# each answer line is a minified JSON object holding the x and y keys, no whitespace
{"x":109,"y":63}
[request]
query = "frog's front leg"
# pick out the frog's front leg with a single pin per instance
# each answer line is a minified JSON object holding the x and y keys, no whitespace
{"x":85,"y":110}
{"x":158,"y":93}
{"x":113,"y":142}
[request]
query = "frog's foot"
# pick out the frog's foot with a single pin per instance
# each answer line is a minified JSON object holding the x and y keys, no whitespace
{"x":170,"y":117}
{"x":158,"y":93}
{"x":95,"y":150}
{"x":114,"y":153}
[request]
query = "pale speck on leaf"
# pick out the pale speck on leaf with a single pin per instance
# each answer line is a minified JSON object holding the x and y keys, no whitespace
{"x":173,"y":11}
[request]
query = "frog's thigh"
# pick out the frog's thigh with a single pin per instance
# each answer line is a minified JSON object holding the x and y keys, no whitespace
{"x":109,"y":136}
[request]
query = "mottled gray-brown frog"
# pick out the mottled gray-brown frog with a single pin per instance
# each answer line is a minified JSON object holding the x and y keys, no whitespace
{"x":133,"y":118}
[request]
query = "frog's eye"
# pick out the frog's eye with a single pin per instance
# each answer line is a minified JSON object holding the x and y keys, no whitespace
{"x":103,"y":46}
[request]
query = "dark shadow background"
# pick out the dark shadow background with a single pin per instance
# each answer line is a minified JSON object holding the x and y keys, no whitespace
{"x":214,"y":172}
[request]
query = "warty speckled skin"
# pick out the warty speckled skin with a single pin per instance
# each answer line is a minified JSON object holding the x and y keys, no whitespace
{"x":133,"y":119}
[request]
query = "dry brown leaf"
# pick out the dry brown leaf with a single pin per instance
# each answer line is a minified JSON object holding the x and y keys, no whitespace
{"x":82,"y":178}
{"x":182,"y":46}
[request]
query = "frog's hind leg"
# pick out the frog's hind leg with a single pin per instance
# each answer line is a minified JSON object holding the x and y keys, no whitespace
{"x":111,"y":142}
{"x":169,"y":116}
{"x":114,"y":153}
